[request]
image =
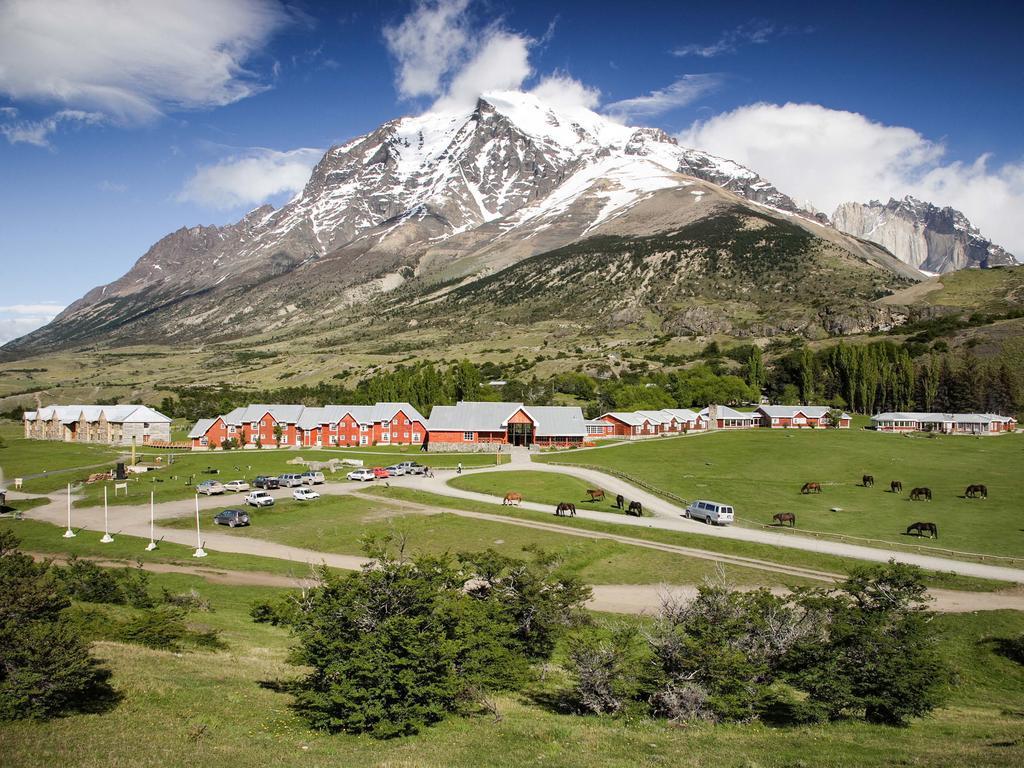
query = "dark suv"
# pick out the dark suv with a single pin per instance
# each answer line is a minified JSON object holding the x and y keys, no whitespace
{"x":267,"y":483}
{"x":232,"y":517}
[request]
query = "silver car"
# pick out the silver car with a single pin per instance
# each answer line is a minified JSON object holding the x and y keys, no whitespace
{"x":210,"y":487}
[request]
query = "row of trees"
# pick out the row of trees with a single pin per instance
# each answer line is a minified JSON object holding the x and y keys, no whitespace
{"x":864,"y":378}
{"x":405,"y":643}
{"x":866,"y":649}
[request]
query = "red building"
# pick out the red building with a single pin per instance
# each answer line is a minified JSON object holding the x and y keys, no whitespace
{"x":298,"y":426}
{"x":798,"y":416}
{"x":475,"y":423}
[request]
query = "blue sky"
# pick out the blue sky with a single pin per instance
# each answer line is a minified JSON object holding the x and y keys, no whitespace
{"x":120,"y":123}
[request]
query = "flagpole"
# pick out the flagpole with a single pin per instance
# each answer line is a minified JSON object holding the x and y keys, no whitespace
{"x":200,"y":552}
{"x":69,"y":534}
{"x":107,"y":538}
{"x":152,"y":544}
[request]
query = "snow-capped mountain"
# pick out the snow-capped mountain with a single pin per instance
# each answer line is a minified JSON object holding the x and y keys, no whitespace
{"x":923,"y":235}
{"x":440,"y":197}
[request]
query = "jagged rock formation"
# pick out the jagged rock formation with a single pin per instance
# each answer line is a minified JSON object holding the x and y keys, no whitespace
{"x":925,"y":236}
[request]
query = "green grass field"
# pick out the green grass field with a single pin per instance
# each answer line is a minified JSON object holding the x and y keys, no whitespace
{"x":760,"y":473}
{"x":47,"y":539}
{"x":766,"y":552}
{"x":20,"y":457}
{"x":339,"y":525}
{"x":539,"y":487}
{"x":219,"y":708}
{"x":169,"y":483}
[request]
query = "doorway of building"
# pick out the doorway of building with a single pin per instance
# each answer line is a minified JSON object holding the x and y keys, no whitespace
{"x":520,"y":434}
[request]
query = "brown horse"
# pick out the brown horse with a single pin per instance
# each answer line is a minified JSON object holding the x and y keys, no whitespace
{"x":513,"y":498}
{"x":785,"y":517}
{"x":620,"y":501}
{"x":922,"y":528}
{"x":921,"y":494}
{"x":635,"y":508}
{"x":868,"y":481}
{"x":896,"y":487}
{"x":976,"y":492}
{"x":595,"y":494}
{"x":811,"y":488}
{"x":565,"y":509}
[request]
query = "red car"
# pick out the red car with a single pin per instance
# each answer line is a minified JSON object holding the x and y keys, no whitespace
{"x":379,"y":473}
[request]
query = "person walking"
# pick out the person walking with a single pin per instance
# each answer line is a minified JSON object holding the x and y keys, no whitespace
{"x":458,"y":469}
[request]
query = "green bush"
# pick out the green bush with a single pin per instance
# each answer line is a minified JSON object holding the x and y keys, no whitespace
{"x":45,"y":665}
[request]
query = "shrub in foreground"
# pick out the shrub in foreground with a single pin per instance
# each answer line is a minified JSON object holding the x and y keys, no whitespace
{"x":45,"y":665}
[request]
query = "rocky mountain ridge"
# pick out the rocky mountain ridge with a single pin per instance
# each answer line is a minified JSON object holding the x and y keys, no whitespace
{"x":921,"y":234}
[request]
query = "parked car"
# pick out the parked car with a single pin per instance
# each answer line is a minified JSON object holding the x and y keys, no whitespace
{"x":380,"y":473}
{"x":290,"y":480}
{"x":710,"y":512}
{"x":210,"y":487}
{"x":313,"y":478}
{"x":232,"y":518}
{"x":259,"y":499}
{"x":361,"y":474}
{"x":305,"y":494}
{"x":236,"y":486}
{"x":413,"y":468}
{"x":395,"y":470}
{"x":263,"y":481}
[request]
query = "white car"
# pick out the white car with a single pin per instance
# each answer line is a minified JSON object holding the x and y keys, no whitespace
{"x":313,"y":478}
{"x":305,"y":494}
{"x":360,"y":474}
{"x":396,"y":470}
{"x":237,"y":486}
{"x":259,"y":499}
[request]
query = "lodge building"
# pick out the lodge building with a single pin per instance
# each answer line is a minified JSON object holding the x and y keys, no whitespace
{"x":108,"y":424}
{"x":944,"y":423}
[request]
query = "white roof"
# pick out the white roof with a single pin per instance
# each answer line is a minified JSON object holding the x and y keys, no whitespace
{"x":627,"y":417}
{"x":681,"y":414}
{"x":469,"y":416}
{"x":120,"y":414}
{"x":658,"y":417}
{"x":725,"y":412}
{"x":201,"y":428}
{"x":789,"y":411}
{"x":959,"y":418}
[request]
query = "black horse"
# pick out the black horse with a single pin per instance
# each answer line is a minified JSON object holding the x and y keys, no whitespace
{"x":635,"y":508}
{"x":868,"y":481}
{"x":922,"y":528}
{"x":896,"y":486}
{"x":978,"y":491}
{"x":620,"y":501}
{"x":565,"y":509}
{"x":921,"y":494}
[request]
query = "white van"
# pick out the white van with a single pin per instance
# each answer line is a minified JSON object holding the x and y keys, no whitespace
{"x":710,"y":512}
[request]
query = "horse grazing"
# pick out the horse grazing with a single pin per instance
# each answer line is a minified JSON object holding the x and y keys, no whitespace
{"x":896,"y":487}
{"x":635,"y":508}
{"x":785,"y":517}
{"x":595,"y":494}
{"x":811,"y":488}
{"x":868,"y":481}
{"x":565,"y":509}
{"x":922,"y":528}
{"x":620,"y":501}
{"x":512,"y":498}
{"x":976,"y":491}
{"x":921,"y":494}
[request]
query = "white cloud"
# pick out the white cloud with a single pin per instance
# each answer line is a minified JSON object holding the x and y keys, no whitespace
{"x":133,"y":60}
{"x":829,"y":156}
{"x":501,"y":63}
{"x":428,"y":44}
{"x":38,"y":132}
{"x":250,"y":178}
{"x":753,"y":32}
{"x":18,"y":319}
{"x":682,"y":92}
{"x":561,"y":90}
{"x":441,"y":53}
